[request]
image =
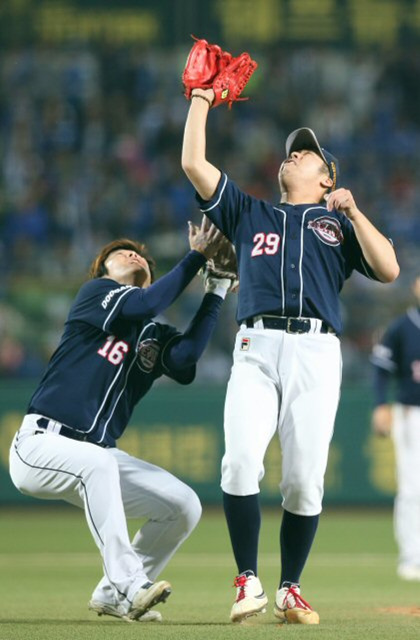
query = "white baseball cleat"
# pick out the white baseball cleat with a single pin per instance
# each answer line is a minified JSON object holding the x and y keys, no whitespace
{"x":118,"y":611}
{"x":292,"y":608}
{"x":150,"y":594}
{"x":250,"y":598}
{"x":409,"y":572}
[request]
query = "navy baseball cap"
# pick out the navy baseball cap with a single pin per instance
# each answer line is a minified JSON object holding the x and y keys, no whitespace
{"x":305,"y":138}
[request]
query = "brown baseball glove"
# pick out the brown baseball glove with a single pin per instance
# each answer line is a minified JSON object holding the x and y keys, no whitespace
{"x":224,"y":265}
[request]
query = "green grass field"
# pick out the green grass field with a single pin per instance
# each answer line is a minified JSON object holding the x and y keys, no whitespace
{"x":49,"y":565}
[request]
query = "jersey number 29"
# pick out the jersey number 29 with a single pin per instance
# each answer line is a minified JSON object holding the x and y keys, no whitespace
{"x":265,"y":243}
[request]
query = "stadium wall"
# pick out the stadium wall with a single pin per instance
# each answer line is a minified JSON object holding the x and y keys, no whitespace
{"x":181,"y":430}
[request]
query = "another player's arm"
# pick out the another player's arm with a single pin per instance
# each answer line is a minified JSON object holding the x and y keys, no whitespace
{"x":185,"y":350}
{"x":383,"y":359}
{"x":204,"y":243}
{"x":202,"y":174}
{"x":382,"y":420}
{"x":377,"y":250}
{"x":382,"y":416}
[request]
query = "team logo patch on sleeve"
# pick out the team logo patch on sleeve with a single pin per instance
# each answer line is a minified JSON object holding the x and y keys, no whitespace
{"x":147,"y":354}
{"x":328,"y":230}
{"x":245,"y":344}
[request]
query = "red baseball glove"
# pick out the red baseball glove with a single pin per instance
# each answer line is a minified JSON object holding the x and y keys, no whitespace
{"x":205,"y":61}
{"x":231,"y":81}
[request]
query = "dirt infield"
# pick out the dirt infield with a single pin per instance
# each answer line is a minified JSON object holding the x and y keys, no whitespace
{"x":403,"y":611}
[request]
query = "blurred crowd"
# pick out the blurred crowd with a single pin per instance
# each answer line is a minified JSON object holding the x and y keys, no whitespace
{"x":90,"y":141}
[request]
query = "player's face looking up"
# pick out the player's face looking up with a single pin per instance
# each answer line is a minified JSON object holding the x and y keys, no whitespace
{"x":304,"y":167}
{"x":128,"y":267}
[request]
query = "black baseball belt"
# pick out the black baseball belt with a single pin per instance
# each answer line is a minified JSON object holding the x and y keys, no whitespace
{"x":290,"y":325}
{"x":67,"y":432}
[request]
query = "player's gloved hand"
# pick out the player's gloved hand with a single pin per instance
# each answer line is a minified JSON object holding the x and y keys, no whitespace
{"x":209,"y":67}
{"x":205,"y":61}
{"x":222,"y":268}
{"x":231,"y":81}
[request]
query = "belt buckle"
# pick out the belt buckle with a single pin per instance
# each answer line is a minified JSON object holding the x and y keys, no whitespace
{"x":289,"y":326}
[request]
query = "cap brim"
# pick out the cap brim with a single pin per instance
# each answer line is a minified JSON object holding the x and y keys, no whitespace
{"x":304,"y":138}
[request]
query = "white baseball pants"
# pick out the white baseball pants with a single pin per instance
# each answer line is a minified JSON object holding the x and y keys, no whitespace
{"x":290,"y":384}
{"x":406,"y":436}
{"x":110,"y":486}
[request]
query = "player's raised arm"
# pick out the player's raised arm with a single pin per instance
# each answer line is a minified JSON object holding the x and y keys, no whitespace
{"x":203,"y":175}
{"x":220,"y":276}
{"x":211,"y":77}
{"x":154,"y":299}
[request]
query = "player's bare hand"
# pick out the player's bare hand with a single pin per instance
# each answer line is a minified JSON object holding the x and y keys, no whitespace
{"x":206,"y":239}
{"x":342,"y":200}
{"x":382,"y":420}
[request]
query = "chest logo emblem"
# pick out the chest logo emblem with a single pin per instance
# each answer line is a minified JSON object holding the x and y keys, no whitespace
{"x":147,"y":354}
{"x":328,"y":230}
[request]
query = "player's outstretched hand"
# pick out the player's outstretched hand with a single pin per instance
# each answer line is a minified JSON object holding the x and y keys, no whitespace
{"x":206,"y":239}
{"x":342,"y":200}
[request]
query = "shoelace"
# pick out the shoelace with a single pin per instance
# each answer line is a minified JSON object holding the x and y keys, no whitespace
{"x":300,"y":603}
{"x":240,"y":583}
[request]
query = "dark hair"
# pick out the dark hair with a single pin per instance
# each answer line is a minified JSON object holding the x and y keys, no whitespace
{"x":98,"y":269}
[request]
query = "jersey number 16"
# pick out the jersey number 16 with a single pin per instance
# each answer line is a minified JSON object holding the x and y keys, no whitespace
{"x":114,"y":350}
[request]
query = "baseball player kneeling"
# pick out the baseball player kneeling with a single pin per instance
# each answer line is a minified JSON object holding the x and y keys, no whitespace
{"x":111,"y":352}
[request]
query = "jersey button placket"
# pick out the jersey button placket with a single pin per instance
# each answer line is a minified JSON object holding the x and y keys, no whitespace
{"x":293,"y":282}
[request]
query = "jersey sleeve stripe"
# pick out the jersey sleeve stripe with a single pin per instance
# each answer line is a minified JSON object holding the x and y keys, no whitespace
{"x":382,"y":363}
{"x":219,"y":198}
{"x":114,"y":308}
{"x":366,"y":268}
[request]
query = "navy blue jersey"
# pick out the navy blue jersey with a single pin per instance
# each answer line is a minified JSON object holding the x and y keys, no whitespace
{"x":398,"y":354}
{"x":293,"y":259}
{"x":104,"y":364}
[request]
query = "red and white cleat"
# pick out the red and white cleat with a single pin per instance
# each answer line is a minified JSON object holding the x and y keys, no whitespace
{"x":250,"y":598}
{"x":292,"y":608}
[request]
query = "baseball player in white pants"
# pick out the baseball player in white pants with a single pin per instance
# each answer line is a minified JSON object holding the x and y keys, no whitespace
{"x":110,"y":486}
{"x":397,"y":356}
{"x":294,"y":257}
{"x":111,"y":352}
{"x":286,"y":399}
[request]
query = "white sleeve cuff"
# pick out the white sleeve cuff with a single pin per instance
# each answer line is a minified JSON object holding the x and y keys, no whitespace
{"x":218,"y":286}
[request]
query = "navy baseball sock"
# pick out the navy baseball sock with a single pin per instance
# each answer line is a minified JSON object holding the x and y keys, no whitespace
{"x":297,"y":534}
{"x":243,"y":519}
